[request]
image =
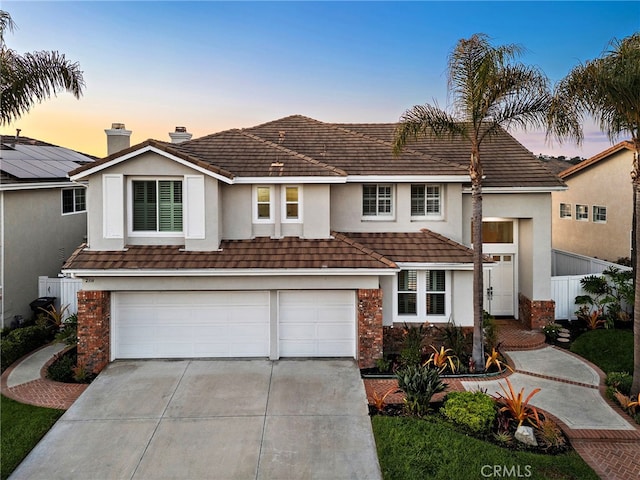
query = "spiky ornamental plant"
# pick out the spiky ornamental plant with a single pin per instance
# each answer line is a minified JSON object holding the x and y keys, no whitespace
{"x":32,"y":77}
{"x":608,"y":90}
{"x":489,"y":90}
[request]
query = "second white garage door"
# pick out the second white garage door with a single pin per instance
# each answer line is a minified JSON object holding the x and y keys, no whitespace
{"x":190,"y":324}
{"x":319,"y":323}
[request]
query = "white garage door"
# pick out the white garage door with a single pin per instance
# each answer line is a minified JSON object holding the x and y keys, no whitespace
{"x":190,"y":324}
{"x":317,"y":323}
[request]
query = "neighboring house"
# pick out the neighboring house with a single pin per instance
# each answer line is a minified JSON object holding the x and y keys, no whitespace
{"x":593,"y":216}
{"x":43,"y":218}
{"x":298,"y":238}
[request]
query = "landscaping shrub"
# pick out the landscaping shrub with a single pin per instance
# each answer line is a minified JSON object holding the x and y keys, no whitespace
{"x":21,"y":341}
{"x":419,"y":383}
{"x":474,"y":410}
{"x":620,"y":381}
{"x":411,"y":352}
{"x":61,"y":370}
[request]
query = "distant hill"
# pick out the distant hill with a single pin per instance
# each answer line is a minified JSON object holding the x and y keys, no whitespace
{"x":559,"y":163}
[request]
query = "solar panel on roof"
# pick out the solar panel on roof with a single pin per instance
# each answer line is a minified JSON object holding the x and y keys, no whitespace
{"x":34,"y":161}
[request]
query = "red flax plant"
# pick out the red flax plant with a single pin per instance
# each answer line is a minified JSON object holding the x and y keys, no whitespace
{"x":517,"y":406}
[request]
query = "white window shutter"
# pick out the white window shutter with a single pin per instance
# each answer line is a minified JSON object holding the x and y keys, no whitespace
{"x":113,"y":205}
{"x":194,"y":214}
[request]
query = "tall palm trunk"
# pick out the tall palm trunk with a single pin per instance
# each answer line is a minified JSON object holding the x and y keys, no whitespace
{"x":475,"y":171}
{"x":635,"y":386}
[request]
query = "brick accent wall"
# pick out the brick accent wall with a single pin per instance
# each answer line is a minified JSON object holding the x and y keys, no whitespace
{"x":94,"y":317}
{"x":536,"y":314}
{"x":369,"y":327}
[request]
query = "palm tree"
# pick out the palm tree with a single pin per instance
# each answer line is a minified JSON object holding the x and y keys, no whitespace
{"x":607,"y":89}
{"x":25,"y":79}
{"x":489,"y":89}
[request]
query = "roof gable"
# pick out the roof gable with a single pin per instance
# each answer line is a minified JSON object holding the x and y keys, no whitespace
{"x":600,"y":157}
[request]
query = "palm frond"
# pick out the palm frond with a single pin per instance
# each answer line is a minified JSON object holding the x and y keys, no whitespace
{"x":423,"y":120}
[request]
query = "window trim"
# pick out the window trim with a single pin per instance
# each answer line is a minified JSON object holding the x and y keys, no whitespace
{"x":283,"y":203}
{"x":254,"y":202}
{"x":74,"y":211}
{"x":566,"y":217}
{"x":152,"y":233}
{"x":586,"y":208}
{"x":379,"y":216}
{"x":593,"y":214}
{"x":421,"y":298}
{"x":427,"y":215}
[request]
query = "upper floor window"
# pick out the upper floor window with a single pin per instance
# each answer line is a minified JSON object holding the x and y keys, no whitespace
{"x":377,"y":200}
{"x":426,"y":200}
{"x":263,"y":204}
{"x":582,"y":212}
{"x":157,"y":205}
{"x":565,"y":210}
{"x":74,"y":200}
{"x":291,"y":204}
{"x":497,"y":231}
{"x":599,"y":214}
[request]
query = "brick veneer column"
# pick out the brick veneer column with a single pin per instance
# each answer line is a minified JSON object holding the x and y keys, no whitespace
{"x":369,"y":327}
{"x":536,"y":313}
{"x":94,"y":317}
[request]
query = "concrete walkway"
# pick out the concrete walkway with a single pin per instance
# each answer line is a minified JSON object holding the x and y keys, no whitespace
{"x":202,"y":419}
{"x":572,"y":392}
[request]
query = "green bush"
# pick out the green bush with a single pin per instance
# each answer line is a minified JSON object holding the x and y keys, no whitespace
{"x":419,"y":383}
{"x":411,"y":351}
{"x":474,"y":410}
{"x":61,"y":370}
{"x":620,"y":381}
{"x":21,"y":341}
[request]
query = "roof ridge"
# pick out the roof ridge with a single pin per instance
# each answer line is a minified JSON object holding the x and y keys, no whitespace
{"x":372,"y":253}
{"x":170,"y":148}
{"x":294,"y":153}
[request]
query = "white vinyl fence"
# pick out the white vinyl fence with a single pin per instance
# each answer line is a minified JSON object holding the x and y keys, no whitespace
{"x":567,"y":263}
{"x":64,"y":289}
{"x":564,"y":290}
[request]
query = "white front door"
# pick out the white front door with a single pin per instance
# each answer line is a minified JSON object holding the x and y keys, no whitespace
{"x":498,"y":286}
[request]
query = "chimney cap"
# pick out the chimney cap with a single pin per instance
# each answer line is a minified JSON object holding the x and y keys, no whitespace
{"x":181,"y":129}
{"x":117,"y":126}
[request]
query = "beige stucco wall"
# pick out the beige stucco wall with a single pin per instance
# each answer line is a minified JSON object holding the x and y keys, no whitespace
{"x":150,"y":165}
{"x":346,"y":212}
{"x":605,"y":183}
{"x":532,"y":215}
{"x":37,"y":241}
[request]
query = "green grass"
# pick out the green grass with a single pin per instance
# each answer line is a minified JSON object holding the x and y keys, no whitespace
{"x":22,"y":427}
{"x":611,"y":350}
{"x":414,"y":449}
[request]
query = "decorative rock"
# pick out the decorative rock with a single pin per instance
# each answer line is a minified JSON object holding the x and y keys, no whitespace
{"x":564,"y":330}
{"x":526,"y":436}
{"x":563,"y":340}
{"x":564,"y":335}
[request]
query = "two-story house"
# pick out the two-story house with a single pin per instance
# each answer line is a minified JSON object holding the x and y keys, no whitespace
{"x":593,"y":216}
{"x":298,"y":238}
{"x":42,"y":218}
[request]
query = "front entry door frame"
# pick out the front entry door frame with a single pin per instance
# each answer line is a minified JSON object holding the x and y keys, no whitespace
{"x":499,"y":250}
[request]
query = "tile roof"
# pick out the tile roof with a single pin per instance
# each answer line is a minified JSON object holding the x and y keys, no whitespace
{"x":506,"y":162}
{"x":258,"y":253}
{"x":596,"y":158}
{"x":424,"y":246}
{"x":343,"y":251}
{"x":300,"y":146}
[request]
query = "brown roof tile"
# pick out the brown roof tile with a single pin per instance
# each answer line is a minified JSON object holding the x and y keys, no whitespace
{"x":424,"y":246}
{"x":258,"y":253}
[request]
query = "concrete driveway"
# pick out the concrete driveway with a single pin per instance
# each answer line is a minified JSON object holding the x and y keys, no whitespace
{"x":213,"y":419}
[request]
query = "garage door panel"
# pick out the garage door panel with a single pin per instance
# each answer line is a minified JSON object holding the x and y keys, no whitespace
{"x":191,"y":324}
{"x":317,"y":323}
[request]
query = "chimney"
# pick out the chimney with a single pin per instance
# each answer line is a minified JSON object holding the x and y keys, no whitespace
{"x":180,"y":135}
{"x":118,"y":138}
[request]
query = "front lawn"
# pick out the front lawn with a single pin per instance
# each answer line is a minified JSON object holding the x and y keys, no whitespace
{"x":611,"y":350}
{"x":421,"y":449}
{"x":22,"y":427}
